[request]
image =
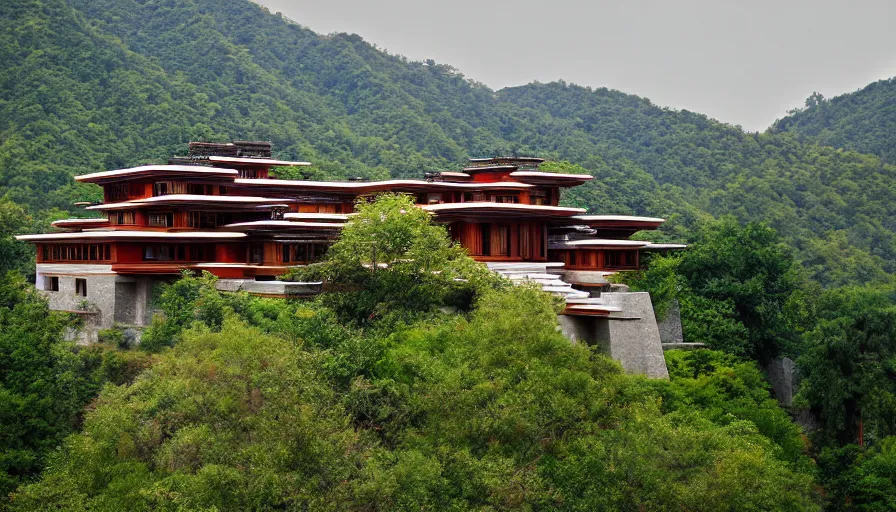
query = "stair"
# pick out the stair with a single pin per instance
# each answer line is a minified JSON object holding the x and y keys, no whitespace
{"x":539,"y":273}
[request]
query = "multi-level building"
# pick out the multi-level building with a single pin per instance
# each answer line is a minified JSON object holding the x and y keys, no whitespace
{"x":218,"y":209}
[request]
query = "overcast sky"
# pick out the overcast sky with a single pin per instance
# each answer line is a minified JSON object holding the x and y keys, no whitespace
{"x":741,"y":62}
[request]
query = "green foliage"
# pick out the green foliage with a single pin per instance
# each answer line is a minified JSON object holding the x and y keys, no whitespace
{"x":44,"y":381}
{"x":860,"y":480}
{"x":233,"y":420}
{"x":390,"y":260}
{"x":494,"y":410}
{"x":14,"y":255}
{"x":847,"y":366}
{"x":863,"y":121}
{"x":726,"y":389}
{"x":738,"y":287}
{"x":114,"y":337}
{"x":187,"y":300}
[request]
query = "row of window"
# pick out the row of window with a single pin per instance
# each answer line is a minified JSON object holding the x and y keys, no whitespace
{"x":203,"y":220}
{"x":77,"y":252}
{"x":536,"y":197}
{"x":124,"y":191}
{"x":611,"y":259}
{"x":163,"y":188}
{"x":303,"y":253}
{"x":174,"y":252}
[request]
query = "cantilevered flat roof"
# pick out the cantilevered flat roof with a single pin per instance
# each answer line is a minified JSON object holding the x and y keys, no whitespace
{"x":529,"y":159}
{"x":270,"y":162}
{"x":596,"y":243}
{"x":490,"y":168}
{"x":320,"y":217}
{"x":184,"y":236}
{"x":506,"y":208}
{"x":665,"y":247}
{"x":74,"y":223}
{"x":159,"y":171}
{"x":619,"y":218}
{"x":366,"y":187}
{"x":191,"y":199}
{"x":590,"y":310}
{"x":551,"y":177}
{"x":454,"y":174}
{"x":283,"y":224}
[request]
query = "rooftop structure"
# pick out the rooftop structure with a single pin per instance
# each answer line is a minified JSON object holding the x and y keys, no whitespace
{"x":218,"y":209}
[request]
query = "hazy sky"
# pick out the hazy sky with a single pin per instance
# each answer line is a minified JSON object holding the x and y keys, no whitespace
{"x":744,"y":62}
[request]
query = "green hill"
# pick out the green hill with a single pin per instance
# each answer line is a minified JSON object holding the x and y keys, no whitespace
{"x":863,"y":121}
{"x":99,"y":84}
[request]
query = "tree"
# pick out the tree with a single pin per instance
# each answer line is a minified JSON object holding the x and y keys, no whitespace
{"x":739,"y":288}
{"x":848,"y":368}
{"x":44,"y":380}
{"x":392,"y":260}
{"x":232,"y":420}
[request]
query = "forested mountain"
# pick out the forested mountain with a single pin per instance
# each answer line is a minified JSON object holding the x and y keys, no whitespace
{"x":863,"y":121}
{"x":99,"y":84}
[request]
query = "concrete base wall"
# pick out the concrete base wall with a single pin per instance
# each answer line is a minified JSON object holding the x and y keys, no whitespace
{"x":781,"y":375}
{"x":631,"y":337}
{"x":111,"y":299}
{"x":579,"y":329}
{"x":670,"y":325}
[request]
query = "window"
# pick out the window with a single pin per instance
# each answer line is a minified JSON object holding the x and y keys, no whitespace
{"x":485,"y":230}
{"x":51,"y":283}
{"x":506,"y":199}
{"x":81,"y":287}
{"x":433,"y":198}
{"x":124,"y":217}
{"x":158,"y":253}
{"x":614,"y":259}
{"x":206,"y":219}
{"x":303,"y":252}
{"x":500,"y":243}
{"x":200,"y":189}
{"x":256,"y":253}
{"x":163,"y":188}
{"x":118,"y":192}
{"x":161,"y":219}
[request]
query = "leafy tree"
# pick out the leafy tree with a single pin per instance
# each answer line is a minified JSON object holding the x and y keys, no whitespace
{"x":233,"y":420}
{"x":44,"y":380}
{"x":860,"y":480}
{"x":391,"y":259}
{"x":863,"y":120}
{"x":847,"y":365}
{"x":739,"y":289}
{"x":725,"y":390}
{"x":187,"y":300}
{"x":14,"y":255}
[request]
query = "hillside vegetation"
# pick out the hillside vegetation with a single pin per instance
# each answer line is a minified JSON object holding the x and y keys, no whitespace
{"x":100,"y":84}
{"x":863,"y":121}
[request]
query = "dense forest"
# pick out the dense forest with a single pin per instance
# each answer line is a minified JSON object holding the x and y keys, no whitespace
{"x":438,"y":386}
{"x":863,"y":121}
{"x":101,"y":84}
